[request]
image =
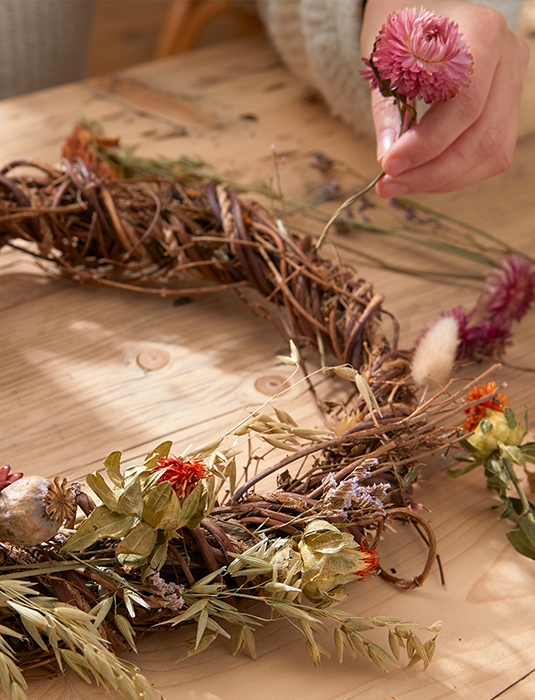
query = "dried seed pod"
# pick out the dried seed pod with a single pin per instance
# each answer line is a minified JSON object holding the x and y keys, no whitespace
{"x":33,"y":508}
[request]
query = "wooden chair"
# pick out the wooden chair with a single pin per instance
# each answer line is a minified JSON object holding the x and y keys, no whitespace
{"x":187,"y":18}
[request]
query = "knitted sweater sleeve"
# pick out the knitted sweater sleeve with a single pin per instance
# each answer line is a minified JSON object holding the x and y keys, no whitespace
{"x":319,"y":42}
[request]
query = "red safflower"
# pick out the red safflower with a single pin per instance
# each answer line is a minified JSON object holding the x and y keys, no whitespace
{"x":476,"y":413}
{"x":508,"y":290}
{"x":370,"y":559}
{"x":183,"y":475}
{"x":419,"y":55}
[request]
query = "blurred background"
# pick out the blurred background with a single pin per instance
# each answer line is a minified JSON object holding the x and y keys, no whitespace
{"x":127,"y":32}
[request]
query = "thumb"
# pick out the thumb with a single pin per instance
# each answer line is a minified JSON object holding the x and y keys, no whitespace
{"x":386,"y":119}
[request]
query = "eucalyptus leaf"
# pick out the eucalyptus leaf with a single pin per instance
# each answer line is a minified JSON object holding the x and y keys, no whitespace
{"x":100,"y":524}
{"x":113,"y":467}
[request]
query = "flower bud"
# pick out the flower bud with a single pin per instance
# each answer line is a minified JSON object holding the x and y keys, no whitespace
{"x":494,"y":428}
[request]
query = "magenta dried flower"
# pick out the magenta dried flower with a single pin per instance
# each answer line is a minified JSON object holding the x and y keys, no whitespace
{"x":419,"y":55}
{"x":486,"y":339}
{"x":508,"y":290}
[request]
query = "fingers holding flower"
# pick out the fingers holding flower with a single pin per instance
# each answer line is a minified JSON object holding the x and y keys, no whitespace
{"x":459,"y":141}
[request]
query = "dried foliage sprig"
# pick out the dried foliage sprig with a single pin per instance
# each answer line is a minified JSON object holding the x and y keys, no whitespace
{"x":495,"y":440}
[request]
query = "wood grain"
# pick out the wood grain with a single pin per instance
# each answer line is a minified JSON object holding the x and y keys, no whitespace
{"x":73,"y":388}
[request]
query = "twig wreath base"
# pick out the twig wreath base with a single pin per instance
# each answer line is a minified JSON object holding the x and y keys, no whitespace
{"x":149,"y":557}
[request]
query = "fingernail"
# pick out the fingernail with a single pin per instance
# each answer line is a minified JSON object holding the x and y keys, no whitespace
{"x":385,"y":141}
{"x":393,"y":189}
{"x":396,"y":166}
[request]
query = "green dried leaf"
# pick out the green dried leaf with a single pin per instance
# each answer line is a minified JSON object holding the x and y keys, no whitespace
{"x":156,"y":561}
{"x":100,"y":524}
{"x":522,"y":536}
{"x":140,"y":540}
{"x":161,"y":506}
{"x":113,"y":468}
{"x":130,"y":501}
{"x":159,"y":452}
{"x":529,"y":451}
{"x":510,"y":418}
{"x":97,"y":484}
{"x":192,"y":507}
{"x":454,"y":473}
{"x":512,"y":453}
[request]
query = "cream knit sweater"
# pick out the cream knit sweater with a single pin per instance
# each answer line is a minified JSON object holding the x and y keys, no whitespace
{"x":319,"y":41}
{"x":45,"y":42}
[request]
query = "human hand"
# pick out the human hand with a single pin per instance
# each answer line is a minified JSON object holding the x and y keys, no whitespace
{"x":465,"y":139}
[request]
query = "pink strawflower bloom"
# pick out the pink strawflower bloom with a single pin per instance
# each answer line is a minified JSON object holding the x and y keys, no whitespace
{"x":508,"y":290}
{"x":419,"y":55}
{"x":486,"y":339}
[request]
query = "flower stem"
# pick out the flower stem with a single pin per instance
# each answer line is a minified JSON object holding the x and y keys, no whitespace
{"x":345,"y":205}
{"x":526,"y":507}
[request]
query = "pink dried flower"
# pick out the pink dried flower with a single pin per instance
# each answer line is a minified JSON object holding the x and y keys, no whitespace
{"x":487,"y":339}
{"x":419,"y":55}
{"x":508,"y":290}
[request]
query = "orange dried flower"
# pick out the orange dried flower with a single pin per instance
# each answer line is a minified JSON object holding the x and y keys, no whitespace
{"x":86,"y":143}
{"x":183,"y":475}
{"x":476,"y":413}
{"x":370,"y":558}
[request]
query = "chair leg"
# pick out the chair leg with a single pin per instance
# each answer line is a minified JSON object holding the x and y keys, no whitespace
{"x":186,"y":19}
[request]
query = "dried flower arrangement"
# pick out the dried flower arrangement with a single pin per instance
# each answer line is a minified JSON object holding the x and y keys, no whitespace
{"x":190,"y":539}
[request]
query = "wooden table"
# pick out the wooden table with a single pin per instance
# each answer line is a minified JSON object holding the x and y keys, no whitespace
{"x":75,"y":383}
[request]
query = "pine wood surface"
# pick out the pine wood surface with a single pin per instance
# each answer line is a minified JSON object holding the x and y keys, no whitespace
{"x":73,"y":386}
